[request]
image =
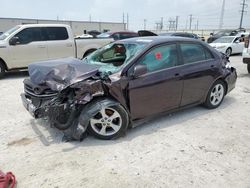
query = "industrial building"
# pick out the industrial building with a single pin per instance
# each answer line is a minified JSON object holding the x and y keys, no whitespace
{"x":78,"y":27}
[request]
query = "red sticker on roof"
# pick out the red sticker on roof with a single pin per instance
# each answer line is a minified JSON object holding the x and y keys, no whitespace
{"x":158,"y":55}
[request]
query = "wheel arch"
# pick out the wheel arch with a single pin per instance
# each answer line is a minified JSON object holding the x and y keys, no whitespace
{"x":219,"y":78}
{"x":4,"y":63}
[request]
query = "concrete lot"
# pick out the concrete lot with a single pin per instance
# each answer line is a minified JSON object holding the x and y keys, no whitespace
{"x":192,"y":148}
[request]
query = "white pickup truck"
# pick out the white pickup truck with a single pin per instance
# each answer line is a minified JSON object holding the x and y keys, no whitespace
{"x":25,"y":44}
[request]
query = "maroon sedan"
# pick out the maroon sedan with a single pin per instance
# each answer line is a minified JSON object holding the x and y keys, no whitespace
{"x":126,"y":81}
{"x":119,"y":35}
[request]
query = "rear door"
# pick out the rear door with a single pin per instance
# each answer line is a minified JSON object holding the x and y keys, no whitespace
{"x":31,"y":47}
{"x":59,"y":43}
{"x":160,"y":88}
{"x":198,"y":72}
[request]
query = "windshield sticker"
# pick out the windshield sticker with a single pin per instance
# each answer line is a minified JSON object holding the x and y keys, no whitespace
{"x":158,"y":55}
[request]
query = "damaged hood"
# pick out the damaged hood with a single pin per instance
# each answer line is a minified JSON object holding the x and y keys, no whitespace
{"x":60,"y":73}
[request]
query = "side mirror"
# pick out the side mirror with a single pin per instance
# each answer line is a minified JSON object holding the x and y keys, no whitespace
{"x":140,"y":70}
{"x":14,"y":41}
{"x":211,"y":34}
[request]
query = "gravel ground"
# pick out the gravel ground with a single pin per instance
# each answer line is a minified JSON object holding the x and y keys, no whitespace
{"x":191,"y":148}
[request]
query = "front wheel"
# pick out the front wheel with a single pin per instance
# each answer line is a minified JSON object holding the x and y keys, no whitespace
{"x":215,"y":95}
{"x":109,"y":122}
{"x":229,"y":52}
{"x":248,"y":68}
{"x":2,"y":70}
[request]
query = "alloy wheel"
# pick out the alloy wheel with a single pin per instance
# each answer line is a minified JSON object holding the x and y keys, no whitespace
{"x":217,"y":94}
{"x":106,"y":122}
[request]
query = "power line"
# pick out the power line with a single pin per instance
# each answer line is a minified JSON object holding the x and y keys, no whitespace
{"x":244,"y":5}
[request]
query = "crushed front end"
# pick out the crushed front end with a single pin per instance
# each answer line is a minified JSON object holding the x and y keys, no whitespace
{"x":58,"y":90}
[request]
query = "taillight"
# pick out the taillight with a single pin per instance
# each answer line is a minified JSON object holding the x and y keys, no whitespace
{"x":247,"y":41}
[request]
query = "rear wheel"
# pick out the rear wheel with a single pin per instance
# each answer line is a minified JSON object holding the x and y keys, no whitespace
{"x":2,"y":70}
{"x":109,"y":122}
{"x":228,"y":52}
{"x":215,"y":95}
{"x":248,"y":68}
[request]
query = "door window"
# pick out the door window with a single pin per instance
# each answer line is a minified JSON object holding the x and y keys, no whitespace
{"x":30,"y":35}
{"x":57,"y":33}
{"x":160,"y":58}
{"x":192,"y":53}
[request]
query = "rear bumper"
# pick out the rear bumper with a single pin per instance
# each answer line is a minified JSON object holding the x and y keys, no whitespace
{"x":246,"y":56}
{"x":34,"y":111}
{"x":231,"y":80}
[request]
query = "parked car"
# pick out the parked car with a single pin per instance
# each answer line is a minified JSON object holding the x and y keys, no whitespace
{"x":228,"y":45}
{"x":246,"y":53}
{"x":25,"y":44}
{"x":94,"y":33}
{"x":126,"y":81}
{"x":118,"y":35}
{"x":83,"y":36}
{"x":183,"y":34}
{"x":1,"y":33}
{"x":222,"y":33}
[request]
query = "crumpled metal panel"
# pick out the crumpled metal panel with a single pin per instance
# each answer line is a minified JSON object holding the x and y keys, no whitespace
{"x":60,"y":73}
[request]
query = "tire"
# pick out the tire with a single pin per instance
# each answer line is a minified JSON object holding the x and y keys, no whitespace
{"x":2,"y":70}
{"x":215,"y":95}
{"x":229,"y":52}
{"x":108,"y":123}
{"x":248,"y":68}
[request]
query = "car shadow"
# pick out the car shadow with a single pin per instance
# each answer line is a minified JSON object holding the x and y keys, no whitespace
{"x":146,"y":127}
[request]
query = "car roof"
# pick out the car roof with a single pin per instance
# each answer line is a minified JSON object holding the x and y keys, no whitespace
{"x":123,"y":32}
{"x":159,"y":39}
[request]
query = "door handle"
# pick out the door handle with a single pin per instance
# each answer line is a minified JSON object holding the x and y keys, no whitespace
{"x":212,"y":66}
{"x":177,"y":74}
{"x":68,"y":45}
{"x":41,"y":46}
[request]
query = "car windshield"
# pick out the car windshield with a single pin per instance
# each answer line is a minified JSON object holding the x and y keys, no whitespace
{"x":224,"y":40}
{"x":112,"y":57}
{"x":104,"y":35}
{"x":226,"y":33}
{"x":9,"y":32}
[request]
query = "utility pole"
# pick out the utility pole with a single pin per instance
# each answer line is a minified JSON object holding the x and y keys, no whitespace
{"x":190,"y":21}
{"x":145,"y":24}
{"x":90,"y":18}
{"x":127,"y":21}
{"x":222,"y":14}
{"x":244,"y":5}
{"x":176,"y":22}
{"x":123,"y":21}
{"x":197,"y":25}
{"x":161,"y":23}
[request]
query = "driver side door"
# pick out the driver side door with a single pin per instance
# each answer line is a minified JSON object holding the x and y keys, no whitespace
{"x":159,"y":89}
{"x":31,"y":47}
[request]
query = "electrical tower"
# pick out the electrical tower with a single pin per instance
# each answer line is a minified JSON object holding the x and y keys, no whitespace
{"x":222,"y":14}
{"x":191,"y":18}
{"x":244,"y":5}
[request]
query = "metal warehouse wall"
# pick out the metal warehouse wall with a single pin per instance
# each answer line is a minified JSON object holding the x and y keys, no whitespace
{"x":78,"y":27}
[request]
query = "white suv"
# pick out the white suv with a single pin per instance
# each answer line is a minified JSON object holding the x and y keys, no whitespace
{"x":246,"y":53}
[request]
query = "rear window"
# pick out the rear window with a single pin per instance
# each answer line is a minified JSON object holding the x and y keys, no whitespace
{"x":57,"y":33}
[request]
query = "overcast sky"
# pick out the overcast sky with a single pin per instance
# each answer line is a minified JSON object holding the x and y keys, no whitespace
{"x":206,"y":11}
